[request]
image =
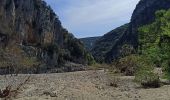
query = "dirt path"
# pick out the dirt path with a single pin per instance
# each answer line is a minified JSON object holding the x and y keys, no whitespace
{"x":87,"y":85}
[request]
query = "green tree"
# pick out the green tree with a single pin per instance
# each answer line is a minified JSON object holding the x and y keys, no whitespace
{"x":154,"y":40}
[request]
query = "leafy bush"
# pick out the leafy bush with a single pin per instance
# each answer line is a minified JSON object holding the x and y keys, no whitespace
{"x":154,"y":41}
{"x":128,"y":64}
{"x":166,"y":69}
{"x":145,"y":75}
{"x":89,"y":58}
{"x":141,"y":67}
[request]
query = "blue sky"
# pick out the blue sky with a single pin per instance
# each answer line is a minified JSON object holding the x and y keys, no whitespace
{"x":87,"y":18}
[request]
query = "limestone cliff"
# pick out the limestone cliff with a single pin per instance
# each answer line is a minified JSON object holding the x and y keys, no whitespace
{"x":33,"y":24}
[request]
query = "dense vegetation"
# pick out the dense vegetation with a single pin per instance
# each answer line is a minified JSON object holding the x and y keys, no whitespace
{"x":154,"y":41}
{"x":153,"y":52}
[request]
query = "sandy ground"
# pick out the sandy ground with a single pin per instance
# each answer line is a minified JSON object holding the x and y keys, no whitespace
{"x":85,"y":85}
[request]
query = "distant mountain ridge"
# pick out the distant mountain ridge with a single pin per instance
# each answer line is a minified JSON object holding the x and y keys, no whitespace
{"x":106,"y":42}
{"x":89,"y":42}
{"x":143,"y":14}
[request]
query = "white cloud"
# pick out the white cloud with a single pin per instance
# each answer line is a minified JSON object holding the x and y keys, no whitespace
{"x":100,"y":10}
{"x":79,"y":15}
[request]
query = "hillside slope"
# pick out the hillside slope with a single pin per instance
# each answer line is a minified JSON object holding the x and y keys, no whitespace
{"x":106,"y":42}
{"x":143,"y":14}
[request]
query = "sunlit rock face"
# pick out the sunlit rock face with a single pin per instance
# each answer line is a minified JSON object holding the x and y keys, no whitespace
{"x":33,"y":24}
{"x":30,"y":21}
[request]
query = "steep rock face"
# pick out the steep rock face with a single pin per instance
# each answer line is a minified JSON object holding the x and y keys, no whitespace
{"x":33,"y":24}
{"x":143,"y":14}
{"x":30,"y":21}
{"x":106,"y":42}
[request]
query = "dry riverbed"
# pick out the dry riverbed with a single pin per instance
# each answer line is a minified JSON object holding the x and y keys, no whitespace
{"x":83,"y":85}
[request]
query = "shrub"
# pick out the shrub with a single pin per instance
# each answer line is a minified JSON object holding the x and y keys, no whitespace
{"x":166,"y":69}
{"x":154,"y":41}
{"x":89,"y":58}
{"x":128,"y":64}
{"x":145,"y":75}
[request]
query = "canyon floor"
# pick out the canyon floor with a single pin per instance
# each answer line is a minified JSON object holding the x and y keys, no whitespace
{"x":83,"y":85}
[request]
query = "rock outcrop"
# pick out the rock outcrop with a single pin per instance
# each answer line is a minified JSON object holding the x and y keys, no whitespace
{"x":33,"y":24}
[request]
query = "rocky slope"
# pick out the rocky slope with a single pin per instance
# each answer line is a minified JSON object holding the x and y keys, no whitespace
{"x":106,"y":42}
{"x":143,"y":14}
{"x":37,"y":29}
{"x":89,"y":42}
